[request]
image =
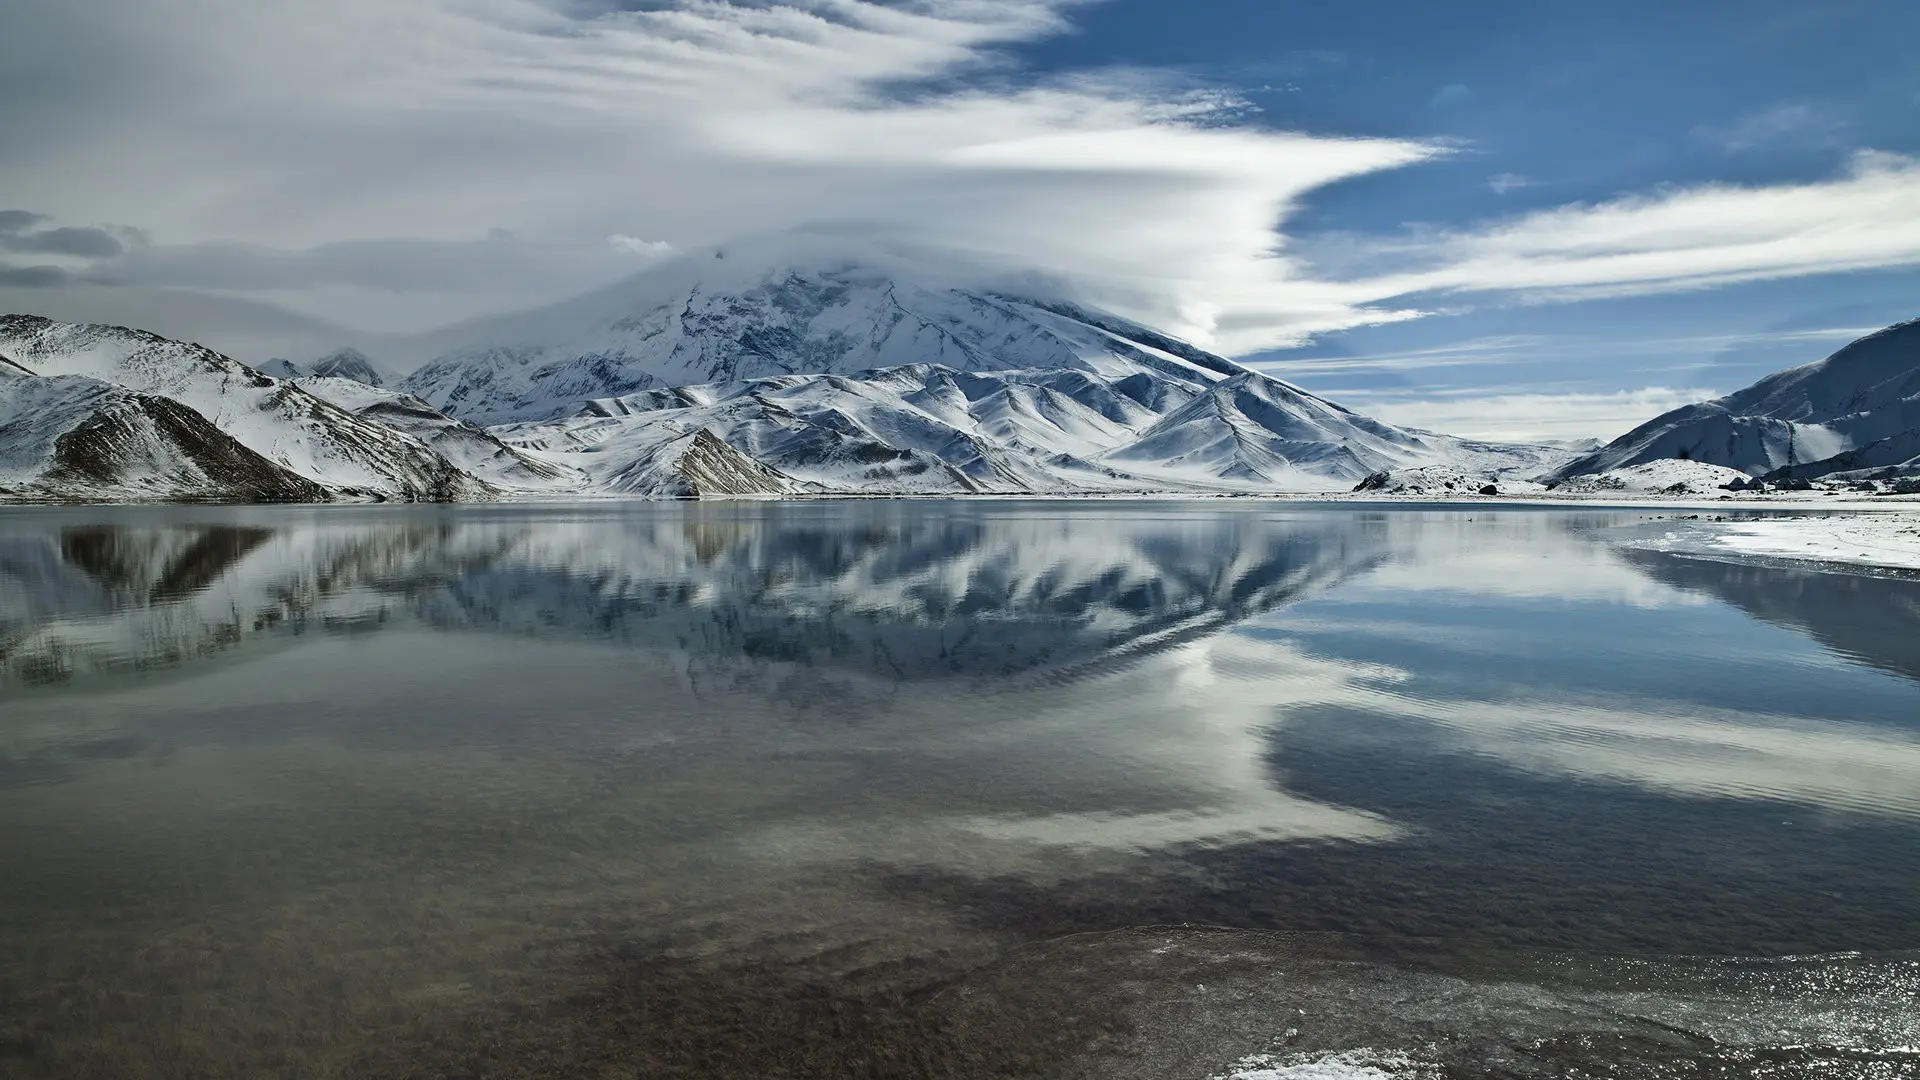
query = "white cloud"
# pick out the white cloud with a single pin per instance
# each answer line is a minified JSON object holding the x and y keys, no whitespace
{"x":1520,"y":414}
{"x":1474,"y":352}
{"x":340,"y":159}
{"x":1505,"y":182}
{"x":301,"y":127}
{"x":1783,"y":124}
{"x":634,"y":245}
{"x":1718,"y":234}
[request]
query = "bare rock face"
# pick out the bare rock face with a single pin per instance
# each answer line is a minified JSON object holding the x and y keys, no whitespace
{"x":699,"y":465}
{"x":711,"y":467}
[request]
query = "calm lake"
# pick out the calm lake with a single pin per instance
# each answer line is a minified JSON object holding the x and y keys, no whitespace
{"x":947,"y":790}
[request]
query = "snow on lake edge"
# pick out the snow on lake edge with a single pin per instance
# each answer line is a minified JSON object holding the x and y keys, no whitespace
{"x":1890,"y":540}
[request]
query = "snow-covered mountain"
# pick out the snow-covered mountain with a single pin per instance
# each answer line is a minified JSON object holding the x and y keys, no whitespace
{"x":346,"y":363}
{"x":157,"y":443}
{"x":765,"y":374}
{"x":680,"y":327}
{"x":861,"y":376}
{"x":71,"y":437}
{"x":1867,"y":393}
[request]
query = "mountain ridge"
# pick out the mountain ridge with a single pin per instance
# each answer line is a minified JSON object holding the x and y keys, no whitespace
{"x":1790,"y":421}
{"x":278,"y":421}
{"x":731,"y":377}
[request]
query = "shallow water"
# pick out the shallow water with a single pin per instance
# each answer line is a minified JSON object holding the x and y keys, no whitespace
{"x":948,"y":790}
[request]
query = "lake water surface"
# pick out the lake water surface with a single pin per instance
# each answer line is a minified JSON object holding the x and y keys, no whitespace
{"x":947,"y":789}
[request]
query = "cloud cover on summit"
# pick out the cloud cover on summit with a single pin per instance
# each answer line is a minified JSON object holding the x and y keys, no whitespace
{"x":397,"y":163}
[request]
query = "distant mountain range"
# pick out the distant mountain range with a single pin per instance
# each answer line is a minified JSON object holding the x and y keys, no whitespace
{"x":750,"y":374}
{"x":343,"y":364}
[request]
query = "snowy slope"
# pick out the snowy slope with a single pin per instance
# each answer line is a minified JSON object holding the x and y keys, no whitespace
{"x":1894,"y":457}
{"x":71,"y":437}
{"x":276,"y":420}
{"x":1866,"y":392}
{"x":928,"y":429}
{"x":1660,"y":477}
{"x":1260,"y":431}
{"x":472,"y":449}
{"x":703,"y":320}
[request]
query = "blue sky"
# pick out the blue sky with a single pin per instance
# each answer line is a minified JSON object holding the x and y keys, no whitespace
{"x":1550,"y":103}
{"x":1536,"y":219}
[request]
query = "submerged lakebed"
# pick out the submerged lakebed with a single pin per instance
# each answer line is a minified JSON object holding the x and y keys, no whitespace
{"x":948,"y":789}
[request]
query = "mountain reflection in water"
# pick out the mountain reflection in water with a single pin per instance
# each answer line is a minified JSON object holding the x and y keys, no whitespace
{"x":905,"y":594}
{"x":839,"y":790}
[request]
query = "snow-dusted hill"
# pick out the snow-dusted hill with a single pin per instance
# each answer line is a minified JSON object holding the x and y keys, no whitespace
{"x":864,"y":376}
{"x":1867,"y":392}
{"x":471,"y":448}
{"x":71,"y":437}
{"x":1663,"y":477}
{"x":342,"y":364}
{"x":278,"y":421}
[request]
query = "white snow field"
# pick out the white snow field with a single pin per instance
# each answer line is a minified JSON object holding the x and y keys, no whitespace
{"x":1663,"y":477}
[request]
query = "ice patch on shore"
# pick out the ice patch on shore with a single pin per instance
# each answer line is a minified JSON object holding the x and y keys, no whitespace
{"x":1363,"y":1064}
{"x":1890,"y":540}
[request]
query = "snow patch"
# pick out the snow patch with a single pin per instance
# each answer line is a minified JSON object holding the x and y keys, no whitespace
{"x":1662,"y":477}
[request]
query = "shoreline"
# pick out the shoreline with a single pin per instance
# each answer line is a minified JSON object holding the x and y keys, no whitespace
{"x":1815,"y":530}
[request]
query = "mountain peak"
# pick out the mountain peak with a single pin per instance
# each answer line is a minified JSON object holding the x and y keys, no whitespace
{"x":688,"y":323}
